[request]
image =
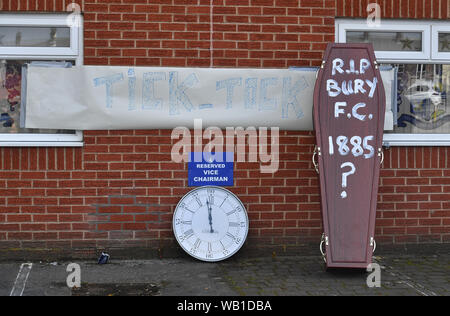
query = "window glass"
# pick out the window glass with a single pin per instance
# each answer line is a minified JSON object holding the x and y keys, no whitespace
{"x":13,"y":36}
{"x":422,"y":100}
{"x":388,"y":41}
{"x":10,"y":99}
{"x":444,"y":42}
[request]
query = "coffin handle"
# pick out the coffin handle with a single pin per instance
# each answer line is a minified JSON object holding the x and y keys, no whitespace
{"x":316,"y":164}
{"x":381,"y":154}
{"x":373,"y":244}
{"x":323,"y":240}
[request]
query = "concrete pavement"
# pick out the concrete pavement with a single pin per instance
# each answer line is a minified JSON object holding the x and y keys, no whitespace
{"x":401,"y":274}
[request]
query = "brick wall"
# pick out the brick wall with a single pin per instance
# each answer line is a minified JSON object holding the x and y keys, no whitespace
{"x":120,"y":189}
{"x":404,"y":9}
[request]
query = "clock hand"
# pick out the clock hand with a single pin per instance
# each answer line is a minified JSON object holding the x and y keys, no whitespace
{"x":211,"y":230}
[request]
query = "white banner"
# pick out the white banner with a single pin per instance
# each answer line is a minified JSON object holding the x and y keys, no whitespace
{"x":100,"y":98}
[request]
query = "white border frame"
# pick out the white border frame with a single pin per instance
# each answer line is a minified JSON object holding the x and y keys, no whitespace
{"x":436,"y":29}
{"x":74,"y":53}
{"x":429,"y":55}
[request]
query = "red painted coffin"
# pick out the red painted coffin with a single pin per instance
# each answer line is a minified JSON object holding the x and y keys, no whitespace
{"x":349,"y":109}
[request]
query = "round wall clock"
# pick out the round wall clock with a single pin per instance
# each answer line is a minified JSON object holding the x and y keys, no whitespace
{"x":210,"y":223}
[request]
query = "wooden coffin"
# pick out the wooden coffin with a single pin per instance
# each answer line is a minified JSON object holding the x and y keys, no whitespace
{"x":349,"y":109}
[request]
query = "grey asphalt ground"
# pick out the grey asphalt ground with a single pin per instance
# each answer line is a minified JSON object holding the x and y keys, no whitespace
{"x":401,"y":275}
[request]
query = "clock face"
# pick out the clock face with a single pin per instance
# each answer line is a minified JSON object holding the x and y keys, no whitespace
{"x":210,"y":223}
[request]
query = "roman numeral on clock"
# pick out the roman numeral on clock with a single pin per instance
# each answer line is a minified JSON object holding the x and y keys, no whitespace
{"x":231,"y":212}
{"x":197,"y":199}
{"x":211,"y":196}
{"x":231,"y":236}
{"x":195,"y":246}
{"x":209,"y":254}
{"x":178,"y":221}
{"x":189,"y":233}
{"x":224,"y":200}
{"x":184,"y":206}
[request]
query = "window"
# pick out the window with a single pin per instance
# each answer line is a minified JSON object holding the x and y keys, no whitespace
{"x":420,"y":50}
{"x":441,"y":41}
{"x":24,"y":39}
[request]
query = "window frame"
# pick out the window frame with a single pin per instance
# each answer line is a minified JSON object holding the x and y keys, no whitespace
{"x":40,"y":20}
{"x":429,"y":55}
{"x":72,"y":53}
{"x":436,"y":29}
{"x":400,"y":26}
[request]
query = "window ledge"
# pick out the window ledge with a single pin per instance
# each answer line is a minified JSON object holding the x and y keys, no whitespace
{"x":41,"y":144}
{"x":390,"y":140}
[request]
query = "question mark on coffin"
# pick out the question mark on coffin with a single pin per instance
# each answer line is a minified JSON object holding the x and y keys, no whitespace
{"x":345,"y":175}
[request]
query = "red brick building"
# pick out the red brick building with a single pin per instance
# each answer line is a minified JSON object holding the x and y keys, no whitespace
{"x":53,"y":193}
